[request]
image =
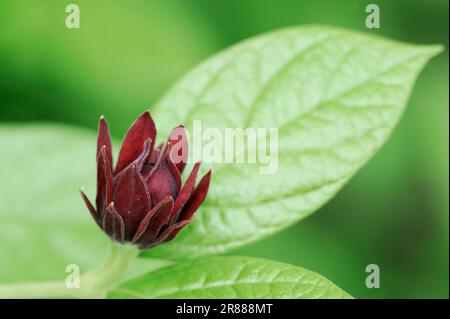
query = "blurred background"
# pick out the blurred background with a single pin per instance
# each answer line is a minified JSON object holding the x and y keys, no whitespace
{"x":394,"y":213}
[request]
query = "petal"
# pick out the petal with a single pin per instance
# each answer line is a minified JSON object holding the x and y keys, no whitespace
{"x":144,"y":155}
{"x":196,"y":199}
{"x":91,"y":208}
{"x":141,"y":130}
{"x":180,"y":147}
{"x":164,"y":180}
{"x":151,"y":161}
{"x":169,"y":233}
{"x":139,"y":161}
{"x":153,"y":158}
{"x":132,"y":200}
{"x":152,"y":223}
{"x":104,"y":182}
{"x":113,"y":224}
{"x":104,"y":139}
{"x":185,"y":193}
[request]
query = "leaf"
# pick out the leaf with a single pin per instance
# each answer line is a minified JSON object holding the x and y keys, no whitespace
{"x":229,"y":277}
{"x":44,"y":225}
{"x":334,"y":95}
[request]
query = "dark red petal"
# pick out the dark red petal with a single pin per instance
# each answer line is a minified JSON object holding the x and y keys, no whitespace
{"x":153,"y":158}
{"x":180,"y":147}
{"x":151,"y":161}
{"x":196,"y":199}
{"x":164,"y":180}
{"x":104,"y":182}
{"x":104,"y":139}
{"x":153,"y":222}
{"x":142,"y":129}
{"x":169,"y":233}
{"x":91,"y":208}
{"x":132,"y":200}
{"x":185,"y":193}
{"x":144,"y":155}
{"x":113,"y":224}
{"x":138,"y":162}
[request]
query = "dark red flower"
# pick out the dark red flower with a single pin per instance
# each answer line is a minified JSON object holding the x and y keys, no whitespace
{"x":142,"y":200}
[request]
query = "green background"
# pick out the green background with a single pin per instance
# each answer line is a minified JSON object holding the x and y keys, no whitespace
{"x":394,"y":213}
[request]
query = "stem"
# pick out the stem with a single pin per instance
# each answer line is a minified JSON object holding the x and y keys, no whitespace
{"x":93,"y":284}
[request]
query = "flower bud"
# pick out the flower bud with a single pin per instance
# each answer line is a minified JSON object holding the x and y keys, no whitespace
{"x":142,"y":200}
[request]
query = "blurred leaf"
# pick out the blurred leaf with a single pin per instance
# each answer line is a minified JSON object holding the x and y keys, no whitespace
{"x":44,"y":223}
{"x":230,"y":277}
{"x":334,"y":96}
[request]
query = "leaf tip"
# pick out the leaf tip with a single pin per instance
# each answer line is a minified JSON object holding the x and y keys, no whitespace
{"x":432,"y":50}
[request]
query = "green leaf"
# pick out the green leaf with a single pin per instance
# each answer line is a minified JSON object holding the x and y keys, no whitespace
{"x":229,"y":277}
{"x":44,"y":223}
{"x":334,"y":95}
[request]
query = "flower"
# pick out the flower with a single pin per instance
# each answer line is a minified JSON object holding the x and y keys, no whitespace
{"x":142,"y":200}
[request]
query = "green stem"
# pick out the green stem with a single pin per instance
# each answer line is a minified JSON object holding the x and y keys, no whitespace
{"x":93,"y":284}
